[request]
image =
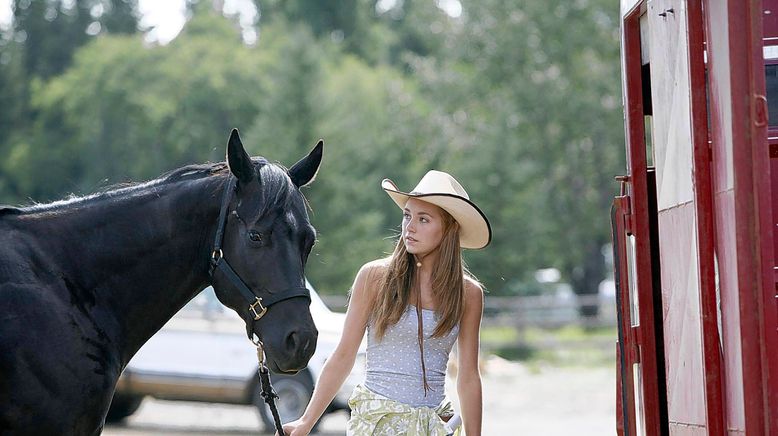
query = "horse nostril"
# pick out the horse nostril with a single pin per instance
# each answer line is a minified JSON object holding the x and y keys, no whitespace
{"x":291,"y":341}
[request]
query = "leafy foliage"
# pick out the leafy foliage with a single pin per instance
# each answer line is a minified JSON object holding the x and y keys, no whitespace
{"x":517,"y":98}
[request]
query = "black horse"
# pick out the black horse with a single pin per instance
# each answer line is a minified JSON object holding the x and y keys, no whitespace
{"x":85,"y":282}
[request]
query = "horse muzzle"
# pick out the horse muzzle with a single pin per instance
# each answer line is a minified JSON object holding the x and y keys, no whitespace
{"x":292,"y":353}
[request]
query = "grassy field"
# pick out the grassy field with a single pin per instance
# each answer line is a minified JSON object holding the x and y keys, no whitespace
{"x":566,"y":346}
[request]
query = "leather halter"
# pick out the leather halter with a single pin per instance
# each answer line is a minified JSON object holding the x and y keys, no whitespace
{"x":257,"y":305}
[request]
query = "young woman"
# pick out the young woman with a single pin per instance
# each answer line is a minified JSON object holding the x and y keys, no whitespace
{"x":414,"y":305}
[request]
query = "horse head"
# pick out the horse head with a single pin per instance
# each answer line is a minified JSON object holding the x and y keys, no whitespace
{"x":267,"y":238}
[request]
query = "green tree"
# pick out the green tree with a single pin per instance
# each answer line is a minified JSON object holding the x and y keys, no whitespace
{"x":50,"y":31}
{"x":12,"y":92}
{"x":121,"y":16}
{"x":124,"y":111}
{"x":516,"y":98}
{"x":419,"y":28}
{"x":375,"y":125}
{"x":286,"y":123}
{"x":535,"y":82}
{"x":40,"y":45}
{"x":351,"y":24}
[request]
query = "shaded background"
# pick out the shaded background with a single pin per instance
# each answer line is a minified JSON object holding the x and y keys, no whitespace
{"x":519,"y":99}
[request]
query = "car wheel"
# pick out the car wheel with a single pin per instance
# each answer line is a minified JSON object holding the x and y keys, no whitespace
{"x":122,"y":406}
{"x":294,"y":393}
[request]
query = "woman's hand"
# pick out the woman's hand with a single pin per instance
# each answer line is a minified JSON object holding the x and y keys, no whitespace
{"x":296,"y":428}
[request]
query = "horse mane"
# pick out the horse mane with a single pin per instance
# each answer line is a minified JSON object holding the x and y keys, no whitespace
{"x":274,"y":179}
{"x":9,"y":210}
{"x":186,"y":173}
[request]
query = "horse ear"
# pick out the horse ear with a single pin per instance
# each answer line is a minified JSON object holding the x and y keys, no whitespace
{"x":238,"y":160}
{"x":303,"y":172}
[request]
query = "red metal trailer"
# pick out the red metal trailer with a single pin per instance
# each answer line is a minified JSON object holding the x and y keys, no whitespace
{"x":694,"y":226}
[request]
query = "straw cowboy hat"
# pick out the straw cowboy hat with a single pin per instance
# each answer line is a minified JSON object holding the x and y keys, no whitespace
{"x":442,"y":190}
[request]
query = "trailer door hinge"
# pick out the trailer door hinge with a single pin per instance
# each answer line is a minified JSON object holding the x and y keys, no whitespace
{"x":627,"y":203}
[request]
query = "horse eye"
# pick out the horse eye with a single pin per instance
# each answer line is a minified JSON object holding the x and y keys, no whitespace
{"x":255,"y":236}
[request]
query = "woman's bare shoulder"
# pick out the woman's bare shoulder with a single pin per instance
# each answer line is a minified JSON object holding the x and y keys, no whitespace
{"x":377,"y":264}
{"x":370,"y":274}
{"x":367,"y":281}
{"x":474,"y":291}
{"x":374,"y":269}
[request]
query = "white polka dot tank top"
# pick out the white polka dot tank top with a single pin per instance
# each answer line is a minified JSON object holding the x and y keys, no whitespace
{"x":394,"y":363}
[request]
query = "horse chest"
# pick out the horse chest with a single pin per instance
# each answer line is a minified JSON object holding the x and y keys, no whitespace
{"x":53,"y":399}
{"x":47,"y":387}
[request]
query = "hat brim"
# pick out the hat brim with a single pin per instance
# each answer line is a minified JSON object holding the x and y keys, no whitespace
{"x":475,"y":231}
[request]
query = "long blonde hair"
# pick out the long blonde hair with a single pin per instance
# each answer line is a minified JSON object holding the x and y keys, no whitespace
{"x":396,"y":286}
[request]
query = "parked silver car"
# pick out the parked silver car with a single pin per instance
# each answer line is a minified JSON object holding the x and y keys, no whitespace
{"x":202,"y":354}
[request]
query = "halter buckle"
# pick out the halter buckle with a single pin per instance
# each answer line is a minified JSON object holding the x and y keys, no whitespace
{"x":262,"y":309}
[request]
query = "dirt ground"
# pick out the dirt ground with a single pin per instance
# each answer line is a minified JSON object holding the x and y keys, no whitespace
{"x":517,"y":401}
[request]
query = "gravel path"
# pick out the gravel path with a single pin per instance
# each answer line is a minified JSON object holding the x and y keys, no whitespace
{"x":517,"y":401}
{"x":549,"y":401}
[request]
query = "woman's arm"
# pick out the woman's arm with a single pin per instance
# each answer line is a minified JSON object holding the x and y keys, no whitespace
{"x":340,"y":363}
{"x":469,"y":375}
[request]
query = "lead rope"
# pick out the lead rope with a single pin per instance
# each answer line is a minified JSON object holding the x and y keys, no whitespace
{"x":267,"y":392}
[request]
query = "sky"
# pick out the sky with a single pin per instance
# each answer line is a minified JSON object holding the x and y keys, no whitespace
{"x":167,"y":17}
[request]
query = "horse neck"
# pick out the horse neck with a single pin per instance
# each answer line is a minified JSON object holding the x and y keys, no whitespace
{"x":134,"y":261}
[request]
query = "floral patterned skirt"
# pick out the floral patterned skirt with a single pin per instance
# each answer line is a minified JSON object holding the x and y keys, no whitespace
{"x":373,"y":414}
